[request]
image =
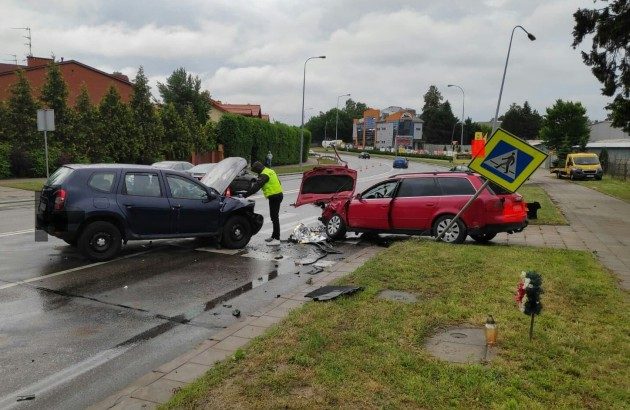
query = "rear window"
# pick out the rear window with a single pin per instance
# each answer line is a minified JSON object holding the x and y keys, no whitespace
{"x":102,"y":181}
{"x":59,"y":176}
{"x":411,"y":187}
{"x":456,"y":186}
{"x":327,"y":184}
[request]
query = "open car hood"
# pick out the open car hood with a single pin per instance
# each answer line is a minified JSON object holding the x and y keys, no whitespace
{"x":221,"y":176}
{"x":325,"y":183}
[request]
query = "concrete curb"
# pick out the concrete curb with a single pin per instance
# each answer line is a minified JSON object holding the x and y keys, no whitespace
{"x":157,"y":387}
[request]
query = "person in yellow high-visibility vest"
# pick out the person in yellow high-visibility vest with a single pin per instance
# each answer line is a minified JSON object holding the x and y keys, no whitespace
{"x":272,"y":189}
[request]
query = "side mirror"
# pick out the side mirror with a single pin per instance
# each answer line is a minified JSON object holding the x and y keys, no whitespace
{"x":358,"y":196}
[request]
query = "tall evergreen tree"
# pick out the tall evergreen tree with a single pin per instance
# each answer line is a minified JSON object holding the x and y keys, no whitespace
{"x":177,"y":144}
{"x":150,"y":132}
{"x":432,"y":98}
{"x":116,"y":128}
{"x":183,"y":90}
{"x":55,"y":95}
{"x":354,"y":109}
{"x":438,"y":118}
{"x":85,"y":130}
{"x":22,"y":115}
{"x":4,"y":122}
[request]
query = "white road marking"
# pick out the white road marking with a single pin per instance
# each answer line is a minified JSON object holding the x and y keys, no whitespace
{"x":22,"y":232}
{"x":63,"y":272}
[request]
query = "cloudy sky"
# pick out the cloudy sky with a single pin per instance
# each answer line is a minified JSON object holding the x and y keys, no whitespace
{"x":385,"y":52}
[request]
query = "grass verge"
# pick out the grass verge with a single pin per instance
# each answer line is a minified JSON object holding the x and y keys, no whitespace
{"x":549,"y":213}
{"x":363,"y":352}
{"x":29,"y":184}
{"x":610,"y":186}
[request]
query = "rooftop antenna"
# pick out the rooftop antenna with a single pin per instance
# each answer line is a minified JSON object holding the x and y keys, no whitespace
{"x":28,"y":37}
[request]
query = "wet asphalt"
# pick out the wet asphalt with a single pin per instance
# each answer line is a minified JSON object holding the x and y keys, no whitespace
{"x":73,"y":332}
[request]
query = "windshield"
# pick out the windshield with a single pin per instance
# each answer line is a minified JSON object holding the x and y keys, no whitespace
{"x":586,"y":161}
{"x":222,"y":175}
{"x":58,"y":176}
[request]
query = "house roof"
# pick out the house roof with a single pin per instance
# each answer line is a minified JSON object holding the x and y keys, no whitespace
{"x":43,"y":67}
{"x":248,"y":110}
{"x":611,"y":143}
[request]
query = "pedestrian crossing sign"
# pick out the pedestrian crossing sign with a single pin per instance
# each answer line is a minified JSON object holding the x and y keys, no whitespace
{"x":509,"y":161}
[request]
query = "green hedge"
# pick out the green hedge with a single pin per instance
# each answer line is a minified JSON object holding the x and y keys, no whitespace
{"x":253,"y":138}
{"x":5,"y":163}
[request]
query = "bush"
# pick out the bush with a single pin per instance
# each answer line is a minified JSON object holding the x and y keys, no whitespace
{"x":5,"y":163}
{"x":33,"y":163}
{"x":604,"y":160}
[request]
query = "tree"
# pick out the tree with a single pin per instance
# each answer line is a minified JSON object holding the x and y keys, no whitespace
{"x":609,"y":55}
{"x":182,"y":89}
{"x":22,"y":115}
{"x":438,"y":118}
{"x":522,"y":121}
{"x":354,"y":109}
{"x":432,"y":99}
{"x":150,"y":132}
{"x":116,"y":128}
{"x":323,"y":125}
{"x":4,"y":122}
{"x":604,"y":160}
{"x":565,"y":126}
{"x":85,"y":129}
{"x":177,"y":144}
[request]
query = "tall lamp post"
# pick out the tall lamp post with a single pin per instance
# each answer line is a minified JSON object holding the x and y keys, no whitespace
{"x":337,"y":113}
{"x":303,"y":90}
{"x":496,"y":114}
{"x":461,"y":139}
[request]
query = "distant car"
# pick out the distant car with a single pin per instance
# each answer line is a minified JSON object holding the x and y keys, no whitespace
{"x":412,"y":204}
{"x":364,"y":155}
{"x":400,"y":162}
{"x":460,"y":168}
{"x":234,"y":170}
{"x":97,"y":207}
{"x":174,"y":165}
{"x":199,"y":171}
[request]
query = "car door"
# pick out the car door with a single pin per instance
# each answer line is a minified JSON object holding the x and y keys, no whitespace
{"x":371,"y":209}
{"x":415,"y":204}
{"x":193,"y":211}
{"x":145,"y":206}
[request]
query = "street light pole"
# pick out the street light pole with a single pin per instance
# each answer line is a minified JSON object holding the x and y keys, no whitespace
{"x":461,"y":139}
{"x":496,"y":114}
{"x":337,"y":113}
{"x":303,"y":91}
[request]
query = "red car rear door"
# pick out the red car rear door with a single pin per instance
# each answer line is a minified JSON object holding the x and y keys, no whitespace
{"x":371,"y":209}
{"x":324,"y":183}
{"x":416,"y":202}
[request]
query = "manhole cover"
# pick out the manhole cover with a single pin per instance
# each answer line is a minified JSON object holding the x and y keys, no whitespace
{"x":397,"y":296}
{"x":460,"y":345}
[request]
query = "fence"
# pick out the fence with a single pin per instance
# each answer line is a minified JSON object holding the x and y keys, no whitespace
{"x":619,"y":168}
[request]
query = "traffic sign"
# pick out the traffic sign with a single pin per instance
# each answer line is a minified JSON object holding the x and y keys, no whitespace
{"x":509,"y":161}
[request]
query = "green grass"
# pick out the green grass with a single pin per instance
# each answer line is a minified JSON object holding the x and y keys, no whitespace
{"x":29,"y":184}
{"x":549,"y":213}
{"x":363,"y":352}
{"x":610,"y":186}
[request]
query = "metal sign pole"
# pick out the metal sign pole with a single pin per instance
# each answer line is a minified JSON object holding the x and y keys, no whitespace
{"x":46,"y":149}
{"x":466,"y":206}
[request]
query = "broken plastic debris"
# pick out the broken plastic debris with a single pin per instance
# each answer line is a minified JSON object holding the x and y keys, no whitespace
{"x":126,"y":287}
{"x":26,"y":397}
{"x":303,"y":234}
{"x":227,"y":306}
{"x":331,"y":292}
{"x":236,"y":313}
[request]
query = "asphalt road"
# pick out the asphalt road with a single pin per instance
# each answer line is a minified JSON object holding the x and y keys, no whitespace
{"x":73,"y":332}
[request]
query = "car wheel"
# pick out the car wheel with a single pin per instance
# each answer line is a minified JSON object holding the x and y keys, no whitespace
{"x":572,"y":177}
{"x":100,"y":241}
{"x":483,"y":237}
{"x":456,"y":234}
{"x":336,"y":227}
{"x":236,"y":232}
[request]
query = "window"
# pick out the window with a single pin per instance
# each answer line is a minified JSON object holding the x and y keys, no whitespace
{"x":384,"y":190}
{"x":142,"y":184}
{"x":456,"y":186}
{"x":102,"y":181}
{"x":59,"y":176}
{"x":411,"y":187}
{"x":183,"y":189}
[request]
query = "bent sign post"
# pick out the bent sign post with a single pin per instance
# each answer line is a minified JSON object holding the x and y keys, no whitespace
{"x":508,"y":162}
{"x":46,"y":122}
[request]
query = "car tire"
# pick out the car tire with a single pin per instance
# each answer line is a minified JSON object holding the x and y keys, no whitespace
{"x":572,"y":177}
{"x":336,"y":227}
{"x":100,"y":241}
{"x":236,"y":232}
{"x":457,"y":233}
{"x":483,"y":237}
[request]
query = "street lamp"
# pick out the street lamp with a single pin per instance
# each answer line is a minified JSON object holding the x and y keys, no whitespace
{"x":461,"y":140}
{"x":337,"y":113}
{"x":303,"y":90}
{"x":496,"y":114}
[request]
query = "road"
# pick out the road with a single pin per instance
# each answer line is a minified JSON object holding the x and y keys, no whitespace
{"x":73,"y":332}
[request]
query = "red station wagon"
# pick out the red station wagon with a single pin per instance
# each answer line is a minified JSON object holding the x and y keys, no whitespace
{"x":414,"y":204}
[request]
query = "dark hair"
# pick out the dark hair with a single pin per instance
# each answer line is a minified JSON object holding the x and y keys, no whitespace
{"x":257,"y":167}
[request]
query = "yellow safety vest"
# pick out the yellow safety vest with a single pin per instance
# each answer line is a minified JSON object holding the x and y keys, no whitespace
{"x":273,"y":186}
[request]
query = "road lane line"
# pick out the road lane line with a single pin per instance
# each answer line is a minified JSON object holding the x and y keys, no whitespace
{"x":22,"y":232}
{"x":63,"y":272}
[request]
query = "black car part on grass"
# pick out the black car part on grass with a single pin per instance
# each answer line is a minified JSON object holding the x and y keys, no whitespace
{"x":331,"y":292}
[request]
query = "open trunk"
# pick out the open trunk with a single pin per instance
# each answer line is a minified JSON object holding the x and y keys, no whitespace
{"x":326,"y":183}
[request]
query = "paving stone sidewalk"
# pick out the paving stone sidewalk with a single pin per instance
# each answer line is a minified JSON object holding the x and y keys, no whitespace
{"x":598,"y":222}
{"x":158,"y":386}
{"x":11,"y":195}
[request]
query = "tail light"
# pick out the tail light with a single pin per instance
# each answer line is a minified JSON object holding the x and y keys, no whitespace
{"x":228,"y":192}
{"x":60,"y":199}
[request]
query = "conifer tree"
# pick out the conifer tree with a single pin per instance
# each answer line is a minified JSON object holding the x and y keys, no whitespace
{"x":116,"y":129}
{"x":149,"y":130}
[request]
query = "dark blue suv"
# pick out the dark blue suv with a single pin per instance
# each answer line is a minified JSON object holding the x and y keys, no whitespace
{"x":96,"y":207}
